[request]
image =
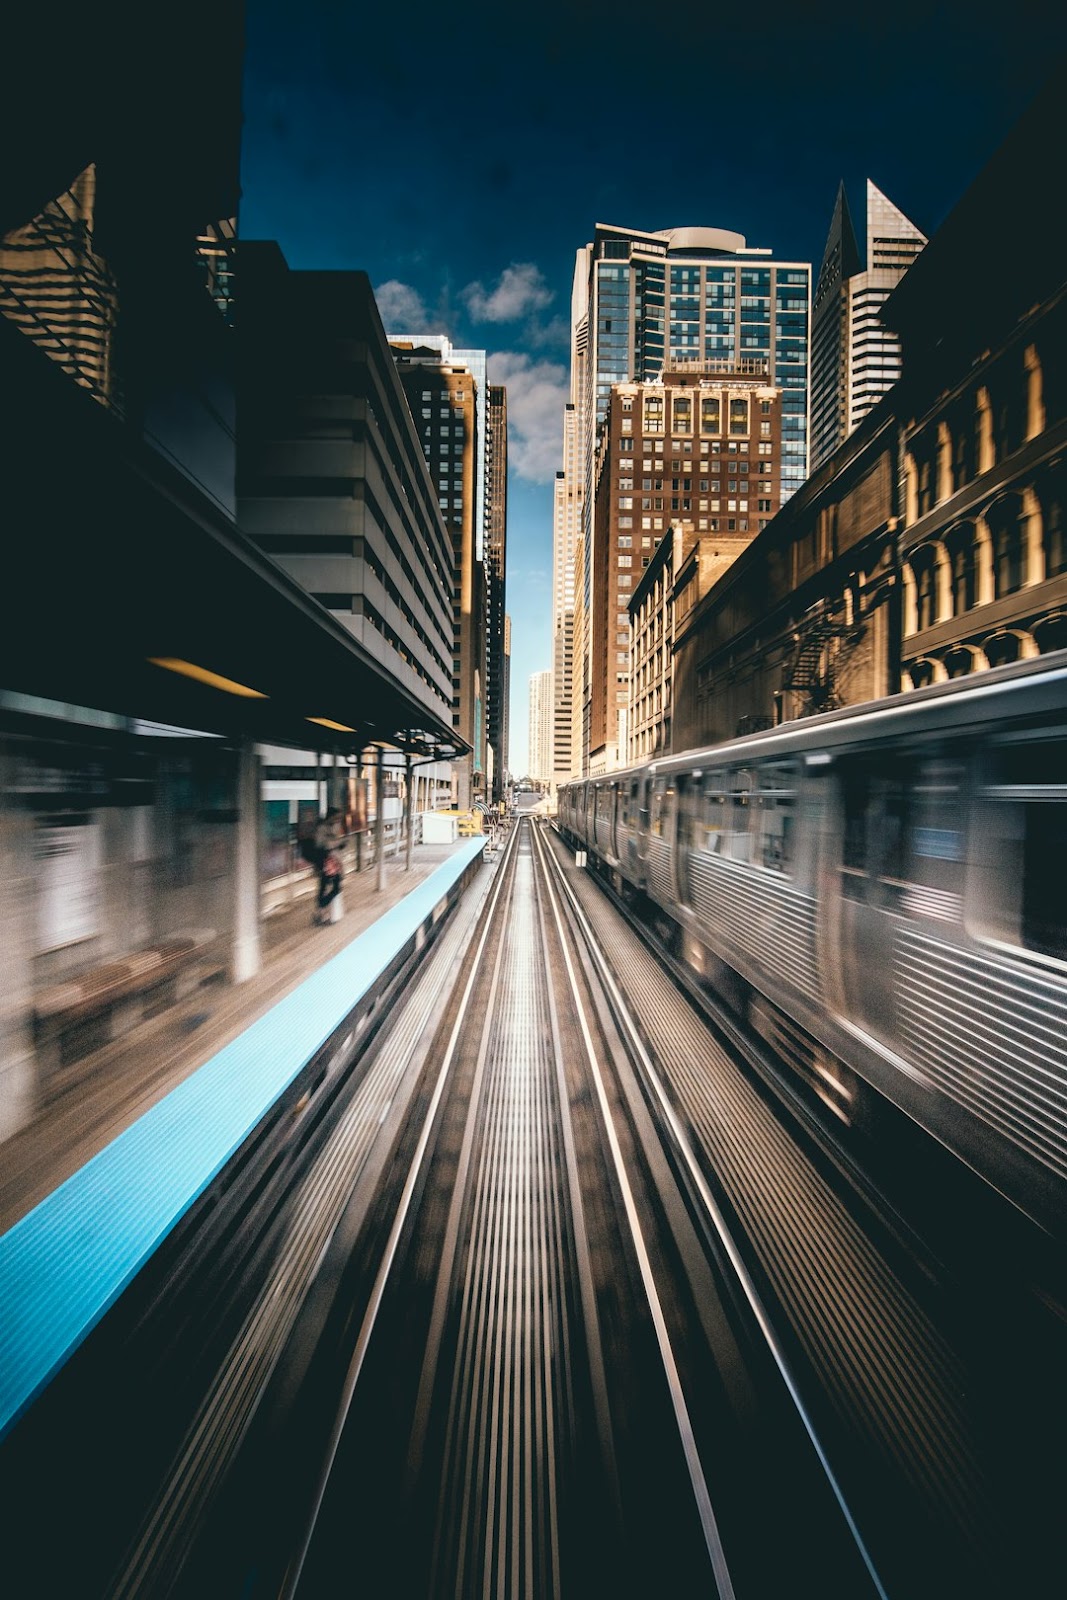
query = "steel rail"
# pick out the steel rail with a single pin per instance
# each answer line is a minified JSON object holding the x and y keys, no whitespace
{"x":226,"y":1411}
{"x":698,"y":1481}
{"x":292,"y":1574}
{"x":682,"y":1144}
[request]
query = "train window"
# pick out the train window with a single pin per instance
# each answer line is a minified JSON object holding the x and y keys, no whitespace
{"x":873,"y":846}
{"x":741,"y":815}
{"x":1020,"y":845}
{"x":777,"y":785}
{"x":662,"y":800}
{"x":629,"y":804}
{"x":714,"y":813}
{"x":935,"y":843}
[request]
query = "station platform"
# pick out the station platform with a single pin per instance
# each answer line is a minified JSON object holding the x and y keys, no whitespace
{"x":145,"y":1135}
{"x":126,"y":1077}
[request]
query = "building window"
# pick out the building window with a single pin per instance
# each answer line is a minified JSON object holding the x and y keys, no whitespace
{"x":738,"y":416}
{"x":961,"y":550}
{"x":1009,"y":560}
{"x":925,"y":589}
{"x":1050,"y":494}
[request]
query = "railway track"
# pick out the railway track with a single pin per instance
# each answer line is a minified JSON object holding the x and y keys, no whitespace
{"x":552,"y":1389}
{"x":555,"y":1305}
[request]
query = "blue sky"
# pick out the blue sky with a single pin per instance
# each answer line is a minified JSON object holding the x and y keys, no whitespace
{"x":460,"y":155}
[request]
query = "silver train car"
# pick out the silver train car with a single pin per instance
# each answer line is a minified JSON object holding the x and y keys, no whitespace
{"x":882,"y":893}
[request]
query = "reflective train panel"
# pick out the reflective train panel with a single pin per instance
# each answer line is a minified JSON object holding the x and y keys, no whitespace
{"x":879,"y":890}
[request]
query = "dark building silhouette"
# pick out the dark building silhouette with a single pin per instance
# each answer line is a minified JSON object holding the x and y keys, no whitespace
{"x":496,"y":552}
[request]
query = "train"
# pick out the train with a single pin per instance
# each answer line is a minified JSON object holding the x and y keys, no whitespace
{"x":879,"y":891}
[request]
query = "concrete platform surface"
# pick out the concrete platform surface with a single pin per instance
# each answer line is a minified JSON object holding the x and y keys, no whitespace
{"x":125,"y":1078}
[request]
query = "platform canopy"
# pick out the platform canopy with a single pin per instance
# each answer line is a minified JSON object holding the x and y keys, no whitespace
{"x":129,"y":590}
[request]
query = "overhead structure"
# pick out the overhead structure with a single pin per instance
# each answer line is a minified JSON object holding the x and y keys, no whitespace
{"x":130,"y":591}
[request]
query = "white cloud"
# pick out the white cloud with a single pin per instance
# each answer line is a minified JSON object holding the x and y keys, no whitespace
{"x":537,"y":394}
{"x":401,"y":307}
{"x":521,"y":290}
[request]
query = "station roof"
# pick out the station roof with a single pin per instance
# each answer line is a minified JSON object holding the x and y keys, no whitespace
{"x":115,"y":562}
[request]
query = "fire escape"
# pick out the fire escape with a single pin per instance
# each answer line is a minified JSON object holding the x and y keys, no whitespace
{"x":822,"y":643}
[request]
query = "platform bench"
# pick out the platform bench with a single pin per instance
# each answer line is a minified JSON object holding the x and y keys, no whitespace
{"x":72,"y":1019}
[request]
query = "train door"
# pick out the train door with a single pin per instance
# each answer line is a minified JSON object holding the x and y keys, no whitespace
{"x":871,"y":876}
{"x":690,"y":800}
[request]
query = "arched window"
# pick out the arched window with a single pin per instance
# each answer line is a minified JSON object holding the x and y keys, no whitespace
{"x":927,"y":462}
{"x":1007,"y":524}
{"x":964,"y":446}
{"x":1051,"y":633}
{"x":921,"y":673}
{"x":923,"y":566}
{"x":1003,"y":648}
{"x":960,"y":661}
{"x":1050,"y":492}
{"x":960,"y":543}
{"x":1008,"y":394}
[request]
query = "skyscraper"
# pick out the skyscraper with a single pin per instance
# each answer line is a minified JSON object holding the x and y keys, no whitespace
{"x":506,"y":774}
{"x":566,"y":511}
{"x":854,"y":357}
{"x":348,"y":509}
{"x":495,"y":571}
{"x":540,"y":767}
{"x":642,"y":302}
{"x":443,"y":393}
{"x":651,"y":300}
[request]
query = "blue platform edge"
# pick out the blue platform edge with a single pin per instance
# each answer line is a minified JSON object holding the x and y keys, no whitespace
{"x":68,"y":1260}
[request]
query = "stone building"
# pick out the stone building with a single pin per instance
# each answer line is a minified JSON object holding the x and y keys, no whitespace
{"x":703,"y":445}
{"x":683,"y":568}
{"x":982,"y":318}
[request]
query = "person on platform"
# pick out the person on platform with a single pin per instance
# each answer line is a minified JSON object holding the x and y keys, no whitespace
{"x":328,"y":837}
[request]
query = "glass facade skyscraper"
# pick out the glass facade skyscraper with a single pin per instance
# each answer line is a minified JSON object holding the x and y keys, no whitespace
{"x":697,"y":300}
{"x":697,"y":295}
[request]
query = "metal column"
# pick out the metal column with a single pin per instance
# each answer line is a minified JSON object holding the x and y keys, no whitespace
{"x":379,"y":822}
{"x":409,"y":809}
{"x":245,"y":959}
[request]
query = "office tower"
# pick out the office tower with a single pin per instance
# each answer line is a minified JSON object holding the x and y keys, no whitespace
{"x":644,"y":301}
{"x":331,"y":475}
{"x":446,"y":398}
{"x":702,"y":446}
{"x":566,"y":520}
{"x":540,"y":763}
{"x":855,"y":359}
{"x":506,"y":776}
{"x":649,"y":300}
{"x":496,"y":584}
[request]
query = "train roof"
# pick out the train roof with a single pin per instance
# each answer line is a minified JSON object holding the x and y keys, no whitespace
{"x":958,"y":703}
